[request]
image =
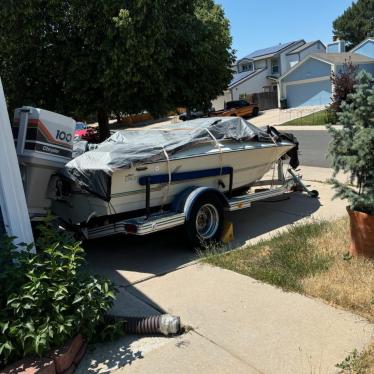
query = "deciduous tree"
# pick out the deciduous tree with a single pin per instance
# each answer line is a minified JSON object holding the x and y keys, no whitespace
{"x":343,"y":82}
{"x":80,"y":57}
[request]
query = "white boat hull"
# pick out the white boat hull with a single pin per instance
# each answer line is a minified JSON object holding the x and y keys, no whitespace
{"x":249,"y":161}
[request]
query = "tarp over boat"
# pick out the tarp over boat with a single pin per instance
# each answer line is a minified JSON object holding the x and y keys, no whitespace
{"x":92,"y":170}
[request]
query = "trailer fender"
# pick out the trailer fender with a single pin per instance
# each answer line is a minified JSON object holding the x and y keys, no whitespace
{"x":192,"y":195}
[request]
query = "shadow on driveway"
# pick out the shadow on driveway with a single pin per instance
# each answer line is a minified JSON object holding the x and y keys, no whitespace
{"x":130,"y":259}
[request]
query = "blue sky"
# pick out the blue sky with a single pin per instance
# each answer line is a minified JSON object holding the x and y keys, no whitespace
{"x":257,"y":24}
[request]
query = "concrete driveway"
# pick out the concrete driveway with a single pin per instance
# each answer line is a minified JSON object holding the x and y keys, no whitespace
{"x":274,"y":117}
{"x":237,"y":324}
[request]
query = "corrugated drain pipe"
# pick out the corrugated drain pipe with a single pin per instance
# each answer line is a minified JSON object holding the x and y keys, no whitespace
{"x":164,"y":324}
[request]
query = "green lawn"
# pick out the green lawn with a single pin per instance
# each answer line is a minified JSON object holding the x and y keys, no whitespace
{"x":284,"y":261}
{"x":318,"y":118}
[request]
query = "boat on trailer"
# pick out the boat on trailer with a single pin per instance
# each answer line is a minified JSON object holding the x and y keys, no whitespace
{"x":145,"y":180}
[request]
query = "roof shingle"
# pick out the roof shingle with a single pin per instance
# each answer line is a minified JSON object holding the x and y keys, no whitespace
{"x":341,"y":58}
{"x":302,"y":47}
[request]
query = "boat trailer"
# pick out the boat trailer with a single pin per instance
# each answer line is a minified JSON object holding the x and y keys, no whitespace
{"x":181,"y":208}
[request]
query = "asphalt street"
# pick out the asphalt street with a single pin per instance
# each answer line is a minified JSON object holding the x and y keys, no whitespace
{"x":313,"y":147}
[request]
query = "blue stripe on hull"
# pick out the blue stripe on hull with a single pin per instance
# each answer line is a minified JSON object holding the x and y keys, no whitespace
{"x":164,"y":178}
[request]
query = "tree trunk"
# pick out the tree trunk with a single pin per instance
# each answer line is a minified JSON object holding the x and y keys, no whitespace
{"x":102,"y":119}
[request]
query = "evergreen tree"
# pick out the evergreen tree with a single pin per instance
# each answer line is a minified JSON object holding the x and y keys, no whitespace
{"x":356,"y":23}
{"x":352,"y":147}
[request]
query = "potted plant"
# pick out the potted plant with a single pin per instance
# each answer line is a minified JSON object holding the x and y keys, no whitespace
{"x":352,"y":151}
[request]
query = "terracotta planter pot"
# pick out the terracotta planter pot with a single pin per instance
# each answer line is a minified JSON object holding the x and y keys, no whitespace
{"x":362,"y":233}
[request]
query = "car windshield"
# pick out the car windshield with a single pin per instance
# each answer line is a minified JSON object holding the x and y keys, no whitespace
{"x":232,"y":104}
{"x":80,"y":126}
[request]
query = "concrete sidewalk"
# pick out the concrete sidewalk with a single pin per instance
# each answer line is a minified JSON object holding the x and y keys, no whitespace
{"x":238,"y":324}
{"x":258,"y":326}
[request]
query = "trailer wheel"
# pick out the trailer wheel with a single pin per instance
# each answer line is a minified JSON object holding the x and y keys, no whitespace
{"x":205,"y":222}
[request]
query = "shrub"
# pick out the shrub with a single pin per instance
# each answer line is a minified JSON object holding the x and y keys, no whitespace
{"x":47,"y":297}
{"x":343,"y":81}
{"x":352,"y":147}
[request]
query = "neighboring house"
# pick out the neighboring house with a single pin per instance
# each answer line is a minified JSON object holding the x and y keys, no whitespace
{"x":309,"y":81}
{"x":259,"y":71}
{"x":300,"y":53}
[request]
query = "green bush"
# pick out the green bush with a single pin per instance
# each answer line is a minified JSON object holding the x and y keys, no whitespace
{"x":47,"y":297}
{"x":352,"y":147}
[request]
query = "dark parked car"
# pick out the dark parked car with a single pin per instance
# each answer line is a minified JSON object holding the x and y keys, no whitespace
{"x":193,"y":115}
{"x":237,"y":108}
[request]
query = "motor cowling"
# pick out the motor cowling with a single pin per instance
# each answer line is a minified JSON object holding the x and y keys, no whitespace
{"x":44,"y":144}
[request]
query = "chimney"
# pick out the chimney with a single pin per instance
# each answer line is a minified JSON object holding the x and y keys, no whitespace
{"x":337,"y":46}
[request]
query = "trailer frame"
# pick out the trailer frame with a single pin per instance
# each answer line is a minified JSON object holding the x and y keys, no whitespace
{"x":179,"y":213}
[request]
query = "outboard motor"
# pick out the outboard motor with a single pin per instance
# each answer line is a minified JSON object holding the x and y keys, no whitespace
{"x":44,"y":144}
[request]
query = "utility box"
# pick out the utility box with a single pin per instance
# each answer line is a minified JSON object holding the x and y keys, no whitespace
{"x":283,"y":103}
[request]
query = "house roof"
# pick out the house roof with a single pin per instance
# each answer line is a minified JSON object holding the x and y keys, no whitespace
{"x":362,"y":43}
{"x":244,"y":75}
{"x":341,"y":58}
{"x":304,"y":46}
{"x":271,"y":51}
{"x":332,"y":59}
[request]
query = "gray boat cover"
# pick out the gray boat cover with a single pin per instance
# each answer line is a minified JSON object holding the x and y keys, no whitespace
{"x":92,"y":170}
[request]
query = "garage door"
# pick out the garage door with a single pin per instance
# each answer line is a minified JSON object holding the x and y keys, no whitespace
{"x":312,"y":93}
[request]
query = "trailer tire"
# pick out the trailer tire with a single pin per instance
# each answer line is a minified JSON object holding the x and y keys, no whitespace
{"x":205,"y":222}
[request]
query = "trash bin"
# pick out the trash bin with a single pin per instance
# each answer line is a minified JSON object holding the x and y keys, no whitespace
{"x":283,"y":103}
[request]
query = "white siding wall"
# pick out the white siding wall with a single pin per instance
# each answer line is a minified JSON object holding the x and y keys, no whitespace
{"x":295,"y":58}
{"x":260,"y":64}
{"x":312,"y":49}
{"x":250,"y":86}
{"x":219,"y":102}
{"x":12,"y":196}
{"x":292,"y":60}
{"x":283,"y":59}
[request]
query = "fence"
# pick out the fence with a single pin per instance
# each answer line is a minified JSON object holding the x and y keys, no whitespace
{"x":264,"y":100}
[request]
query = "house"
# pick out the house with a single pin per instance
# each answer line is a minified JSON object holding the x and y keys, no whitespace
{"x":308,"y":82}
{"x":259,"y":71}
{"x":300,"y":53}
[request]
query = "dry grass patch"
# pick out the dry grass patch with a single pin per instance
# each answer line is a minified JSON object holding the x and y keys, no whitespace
{"x":348,"y":282}
{"x":313,"y":259}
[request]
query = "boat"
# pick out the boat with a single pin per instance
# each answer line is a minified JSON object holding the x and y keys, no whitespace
{"x":145,"y":170}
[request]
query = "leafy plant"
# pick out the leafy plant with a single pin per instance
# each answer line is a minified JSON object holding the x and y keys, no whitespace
{"x":350,"y":361}
{"x":352,"y":147}
{"x":47,"y":297}
{"x":359,"y":362}
{"x":343,"y":81}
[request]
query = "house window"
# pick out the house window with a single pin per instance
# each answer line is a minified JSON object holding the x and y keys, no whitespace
{"x":247,"y":67}
{"x":274,"y":66}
